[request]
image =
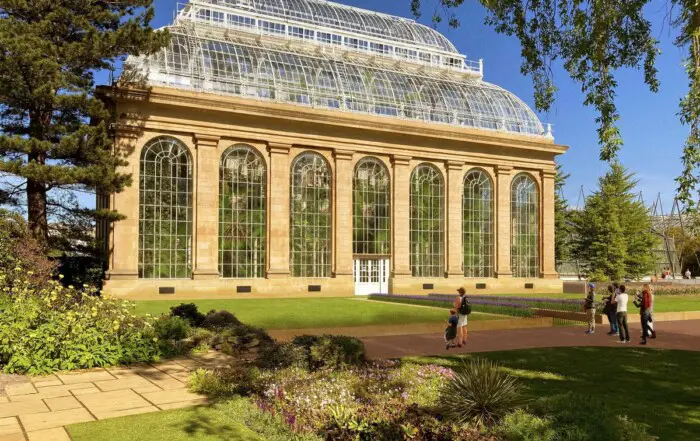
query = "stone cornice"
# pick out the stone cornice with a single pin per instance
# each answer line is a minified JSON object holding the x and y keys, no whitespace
{"x":504,"y":169}
{"x":205,"y":140}
{"x":400,"y":160}
{"x":231,"y":104}
{"x":279,"y":148}
{"x":548,"y":174}
{"x":343,"y":155}
{"x":129,"y":131}
{"x":454,"y":165}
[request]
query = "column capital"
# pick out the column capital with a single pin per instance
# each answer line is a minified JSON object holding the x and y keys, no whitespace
{"x":128,"y":131}
{"x":548,"y":174}
{"x":503,"y":169}
{"x":343,"y":155}
{"x":279,"y":148}
{"x":201,"y":140}
{"x":400,"y":160}
{"x":454,"y":165}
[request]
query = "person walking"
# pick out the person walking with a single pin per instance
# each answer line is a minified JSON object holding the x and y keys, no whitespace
{"x":687,"y":273}
{"x":462,"y":306}
{"x":621,"y":302}
{"x":589,"y":307}
{"x":610,"y":311}
{"x":645,"y":305}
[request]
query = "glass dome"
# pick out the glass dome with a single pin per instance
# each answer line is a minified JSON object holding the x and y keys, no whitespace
{"x":345,"y":18}
{"x":213,"y":59}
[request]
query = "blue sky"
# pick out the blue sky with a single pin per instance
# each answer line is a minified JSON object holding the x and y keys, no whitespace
{"x":650,"y":127}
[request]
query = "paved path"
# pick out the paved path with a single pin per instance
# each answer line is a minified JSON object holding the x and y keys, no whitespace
{"x":683,"y":335}
{"x":37,"y":409}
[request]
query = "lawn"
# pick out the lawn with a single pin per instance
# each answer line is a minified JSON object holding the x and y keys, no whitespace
{"x":312,"y":313}
{"x":676,"y":303}
{"x":660,"y":388}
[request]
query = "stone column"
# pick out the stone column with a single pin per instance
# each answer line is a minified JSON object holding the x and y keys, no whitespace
{"x":503,"y":178}
{"x":123,"y":260}
{"x":206,"y":212}
{"x":454,"y":219}
{"x":401,"y":216}
{"x":548,"y":268}
{"x":343,"y":212}
{"x":278,"y":213}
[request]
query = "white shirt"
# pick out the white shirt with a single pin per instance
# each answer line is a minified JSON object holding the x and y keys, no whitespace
{"x":622,"y":299}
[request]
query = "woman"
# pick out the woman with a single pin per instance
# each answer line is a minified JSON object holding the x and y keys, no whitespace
{"x":646,"y":303}
{"x":609,"y":310}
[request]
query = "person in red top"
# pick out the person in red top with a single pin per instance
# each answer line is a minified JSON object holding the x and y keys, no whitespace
{"x":645,"y":304}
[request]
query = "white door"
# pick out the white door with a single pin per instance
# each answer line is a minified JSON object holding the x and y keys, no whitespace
{"x":371,"y":276}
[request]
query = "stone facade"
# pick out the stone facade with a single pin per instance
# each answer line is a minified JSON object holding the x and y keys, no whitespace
{"x":208,"y":124}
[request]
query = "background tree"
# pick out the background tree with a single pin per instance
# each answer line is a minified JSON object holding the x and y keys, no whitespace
{"x":614,"y":229}
{"x":594,"y":39}
{"x":563,"y":228}
{"x":53,"y":130}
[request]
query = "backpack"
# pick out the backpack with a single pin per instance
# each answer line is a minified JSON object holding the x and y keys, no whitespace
{"x":465,"y":308}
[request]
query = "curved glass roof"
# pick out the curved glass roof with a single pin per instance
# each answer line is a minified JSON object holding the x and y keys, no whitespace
{"x":345,"y":18}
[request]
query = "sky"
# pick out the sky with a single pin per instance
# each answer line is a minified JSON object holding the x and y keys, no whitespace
{"x":652,"y":133}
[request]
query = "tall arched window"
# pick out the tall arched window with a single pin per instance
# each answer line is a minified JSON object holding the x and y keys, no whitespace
{"x":427,"y":225}
{"x":165,"y":210}
{"x":371,"y":215}
{"x":525,"y":225}
{"x":477,"y":224}
{"x":242,"y":213}
{"x":310,"y":217}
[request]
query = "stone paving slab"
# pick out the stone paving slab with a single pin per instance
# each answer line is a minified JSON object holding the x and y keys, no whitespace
{"x":106,"y":404}
{"x":9,"y":427}
{"x":172,"y":396}
{"x":62,"y":403}
{"x":86,"y":377}
{"x":20,"y":389}
{"x":55,"y":434}
{"x":52,"y":392}
{"x":22,"y":408}
{"x":50,"y":420}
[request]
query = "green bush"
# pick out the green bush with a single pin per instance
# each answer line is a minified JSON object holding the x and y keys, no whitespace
{"x":522,"y":426}
{"x":236,"y":338}
{"x":61,"y":328}
{"x":281,"y":356}
{"x":218,"y":320}
{"x":171,"y":333}
{"x":330,"y":351}
{"x":189,"y":312}
{"x":479,"y":393}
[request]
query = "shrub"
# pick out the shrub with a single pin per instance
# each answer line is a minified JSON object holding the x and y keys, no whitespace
{"x":236,"y":338}
{"x":224,"y":382}
{"x":522,"y":426}
{"x":171,"y":333}
{"x":189,"y":312}
{"x":62,"y":328}
{"x":284,"y":355}
{"x":479,"y":393}
{"x":19,"y":250}
{"x":201,"y":336}
{"x":218,"y":320}
{"x":330,"y":351}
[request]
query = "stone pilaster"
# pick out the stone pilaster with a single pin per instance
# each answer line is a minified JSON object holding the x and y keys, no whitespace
{"x":343,"y":212}
{"x":503,"y":179}
{"x":278,"y":217}
{"x":206,"y":213}
{"x":401,"y":217}
{"x":123,"y":259}
{"x":548,"y":268}
{"x":454,"y":218}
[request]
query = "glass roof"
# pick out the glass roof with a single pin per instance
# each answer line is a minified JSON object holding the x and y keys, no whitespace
{"x":344,"y":18}
{"x":254,"y":69}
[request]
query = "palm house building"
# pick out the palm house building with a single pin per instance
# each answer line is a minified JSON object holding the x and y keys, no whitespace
{"x":308,"y":148}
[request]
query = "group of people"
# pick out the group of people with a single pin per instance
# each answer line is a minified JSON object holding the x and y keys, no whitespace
{"x":615,"y":308}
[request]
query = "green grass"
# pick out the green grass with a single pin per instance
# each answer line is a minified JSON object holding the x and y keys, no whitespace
{"x":676,"y":303}
{"x":311,"y":313}
{"x":660,"y":388}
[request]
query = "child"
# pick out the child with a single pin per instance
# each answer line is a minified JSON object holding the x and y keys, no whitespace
{"x":451,"y":330}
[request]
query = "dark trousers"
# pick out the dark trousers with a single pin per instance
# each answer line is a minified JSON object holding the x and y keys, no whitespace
{"x":613,"y":321}
{"x":622,"y":324}
{"x":645,"y":317}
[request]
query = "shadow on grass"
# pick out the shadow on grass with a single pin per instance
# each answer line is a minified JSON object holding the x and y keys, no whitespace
{"x":658,"y":388}
{"x":201,"y":423}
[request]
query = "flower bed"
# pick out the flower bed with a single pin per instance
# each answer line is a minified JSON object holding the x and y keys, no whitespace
{"x":488,"y":306}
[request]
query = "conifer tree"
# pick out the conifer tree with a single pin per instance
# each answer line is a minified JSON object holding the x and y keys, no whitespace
{"x":613,"y":231}
{"x":562,"y":219}
{"x":53,"y":131}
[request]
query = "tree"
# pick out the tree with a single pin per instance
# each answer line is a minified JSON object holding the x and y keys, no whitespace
{"x":562,"y":219}
{"x":613,"y":231}
{"x":594,"y":39}
{"x":54,"y":135}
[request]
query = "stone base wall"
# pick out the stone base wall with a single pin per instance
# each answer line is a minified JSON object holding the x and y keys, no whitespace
{"x":141,"y":289}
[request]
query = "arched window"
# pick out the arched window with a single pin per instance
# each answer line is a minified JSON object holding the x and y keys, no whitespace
{"x":427,"y":225}
{"x":310,"y":217}
{"x":525,"y":225}
{"x":371,"y":202}
{"x":165,"y":210}
{"x":477,"y":224}
{"x":242,"y":213}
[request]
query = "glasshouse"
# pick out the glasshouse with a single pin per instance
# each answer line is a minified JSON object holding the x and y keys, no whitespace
{"x":308,"y":148}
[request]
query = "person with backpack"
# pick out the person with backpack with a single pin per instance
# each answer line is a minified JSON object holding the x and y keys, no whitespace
{"x":464,"y":308}
{"x":610,"y":311}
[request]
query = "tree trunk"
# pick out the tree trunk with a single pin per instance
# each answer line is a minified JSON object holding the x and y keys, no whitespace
{"x":36,"y":208}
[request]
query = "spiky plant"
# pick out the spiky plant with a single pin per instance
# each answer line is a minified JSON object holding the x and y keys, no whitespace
{"x":479,"y":393}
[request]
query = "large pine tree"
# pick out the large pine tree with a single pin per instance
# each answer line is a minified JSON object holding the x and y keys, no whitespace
{"x":53,"y":130}
{"x":562,"y":219}
{"x":614,"y":230}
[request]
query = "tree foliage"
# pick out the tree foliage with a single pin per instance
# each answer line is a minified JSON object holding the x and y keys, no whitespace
{"x":594,"y":39}
{"x":53,"y":131}
{"x":563,"y":227}
{"x":613,"y":232}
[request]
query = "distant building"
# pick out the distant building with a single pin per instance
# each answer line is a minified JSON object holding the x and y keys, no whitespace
{"x":324,"y":150}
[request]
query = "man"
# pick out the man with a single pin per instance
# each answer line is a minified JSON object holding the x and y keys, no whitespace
{"x":687,"y":273}
{"x":621,"y":301}
{"x":589,"y":307}
{"x":462,"y":306}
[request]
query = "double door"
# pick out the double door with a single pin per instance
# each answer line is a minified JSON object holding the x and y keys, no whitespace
{"x":371,"y":276}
